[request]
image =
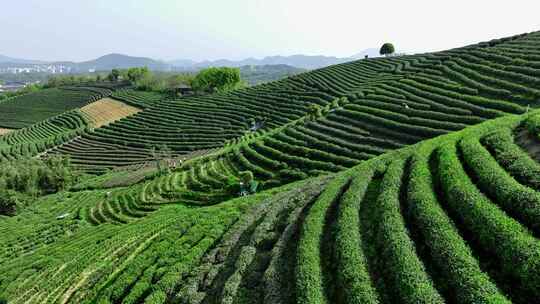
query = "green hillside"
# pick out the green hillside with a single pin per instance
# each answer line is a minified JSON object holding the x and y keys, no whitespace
{"x":410,"y":179}
{"x":369,"y":106}
{"x":43,"y":135}
{"x":25,"y":110}
{"x":453,"y":219}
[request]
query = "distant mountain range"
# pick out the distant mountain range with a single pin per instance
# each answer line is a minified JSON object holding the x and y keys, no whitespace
{"x":119,"y":61}
{"x":103,"y":63}
{"x":298,"y":61}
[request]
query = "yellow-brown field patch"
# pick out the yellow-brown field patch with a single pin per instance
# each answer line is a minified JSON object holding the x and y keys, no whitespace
{"x":5,"y":131}
{"x":107,"y":110}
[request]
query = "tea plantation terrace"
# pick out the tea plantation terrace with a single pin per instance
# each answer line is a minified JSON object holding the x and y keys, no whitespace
{"x":460,"y":211}
{"x":371,"y":106}
{"x":411,"y":179}
{"x":23,"y":111}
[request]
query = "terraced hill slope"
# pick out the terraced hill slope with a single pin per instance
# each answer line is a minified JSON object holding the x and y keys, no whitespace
{"x":25,"y":110}
{"x":389,"y":103}
{"x":414,"y":182}
{"x":44,"y":135}
{"x":449,"y":220}
{"x":371,"y":106}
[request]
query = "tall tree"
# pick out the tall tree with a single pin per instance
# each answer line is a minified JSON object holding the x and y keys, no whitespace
{"x":136,"y":74}
{"x":387,"y":49}
{"x":114,"y":75}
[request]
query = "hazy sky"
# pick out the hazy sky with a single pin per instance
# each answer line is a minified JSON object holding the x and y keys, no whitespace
{"x":234,"y":29}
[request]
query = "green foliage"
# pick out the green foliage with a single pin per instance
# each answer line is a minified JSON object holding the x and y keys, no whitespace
{"x":136,"y":74}
{"x":165,"y":82}
{"x":71,"y":80}
{"x":9,"y":201}
{"x":387,"y":49}
{"x":314,"y":111}
{"x":114,"y":75}
{"x":36,"y":177}
{"x":217,"y":80}
{"x":246,"y":177}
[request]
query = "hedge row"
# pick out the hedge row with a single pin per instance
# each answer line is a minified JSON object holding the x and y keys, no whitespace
{"x":510,"y":243}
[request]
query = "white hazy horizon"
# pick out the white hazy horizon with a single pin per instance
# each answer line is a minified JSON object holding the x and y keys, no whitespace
{"x":78,"y":30}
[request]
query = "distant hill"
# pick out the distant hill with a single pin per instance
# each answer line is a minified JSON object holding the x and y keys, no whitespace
{"x":297,"y":61}
{"x":6,"y":59}
{"x":103,"y":63}
{"x":119,"y":61}
{"x":182,"y":63}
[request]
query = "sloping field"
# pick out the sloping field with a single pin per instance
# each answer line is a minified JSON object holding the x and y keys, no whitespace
{"x":450,"y":220}
{"x":43,"y":135}
{"x":107,"y":110}
{"x":368,"y":107}
{"x":25,"y":110}
{"x":388,"y":115}
{"x":416,"y":181}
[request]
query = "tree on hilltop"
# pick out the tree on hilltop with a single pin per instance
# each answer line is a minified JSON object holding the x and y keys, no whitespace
{"x":387,"y":49}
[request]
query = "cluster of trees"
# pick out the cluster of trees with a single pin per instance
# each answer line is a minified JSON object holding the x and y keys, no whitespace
{"x":24,"y":179}
{"x":68,"y":80}
{"x":134,"y":75}
{"x":222,"y":79}
{"x":145,"y":80}
{"x":208,"y":80}
{"x":164,"y":82}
